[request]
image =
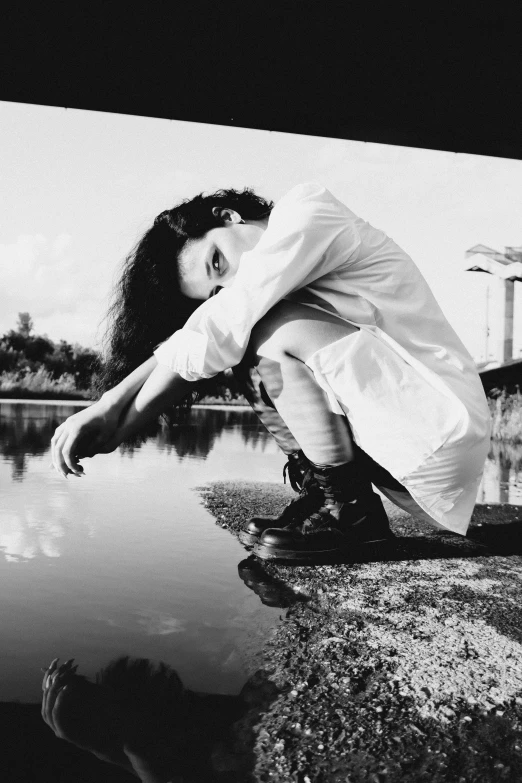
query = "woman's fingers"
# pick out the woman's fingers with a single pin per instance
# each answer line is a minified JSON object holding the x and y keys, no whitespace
{"x":55,"y":681}
{"x":49,"y":701}
{"x":48,"y":694}
{"x":69,"y":454}
{"x":57,"y":456}
{"x":54,"y":447}
{"x":50,"y":670}
{"x":81,"y":435}
{"x":58,"y":431}
{"x":64,"y":453}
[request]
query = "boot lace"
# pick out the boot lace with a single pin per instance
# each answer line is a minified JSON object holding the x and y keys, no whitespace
{"x":319,"y":520}
{"x":296,"y":473}
{"x":304,"y":507}
{"x":302,"y":480}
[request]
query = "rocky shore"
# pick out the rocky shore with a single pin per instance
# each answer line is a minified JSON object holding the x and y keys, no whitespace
{"x":402,"y":665}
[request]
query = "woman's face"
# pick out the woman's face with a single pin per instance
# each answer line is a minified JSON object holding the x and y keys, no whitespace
{"x":212,"y":261}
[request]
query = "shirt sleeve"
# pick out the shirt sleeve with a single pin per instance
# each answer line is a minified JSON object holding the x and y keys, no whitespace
{"x":310,"y":233}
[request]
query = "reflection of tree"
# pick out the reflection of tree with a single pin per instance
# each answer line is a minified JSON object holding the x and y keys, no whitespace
{"x":255,"y":435}
{"x":27,"y":431}
{"x":197,"y":435}
{"x":22,"y":435}
{"x":502,"y":474}
{"x":507,"y":455}
{"x":189,"y":440}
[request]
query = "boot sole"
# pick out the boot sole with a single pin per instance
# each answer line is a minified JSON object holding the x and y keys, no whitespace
{"x":291,"y":555}
{"x":247,"y":539}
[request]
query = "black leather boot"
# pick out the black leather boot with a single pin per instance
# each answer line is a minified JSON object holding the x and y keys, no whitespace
{"x":311,"y":498}
{"x":352,"y":515}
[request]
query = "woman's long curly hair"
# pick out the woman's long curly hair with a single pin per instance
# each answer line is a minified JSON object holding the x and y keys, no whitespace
{"x":147,"y":304}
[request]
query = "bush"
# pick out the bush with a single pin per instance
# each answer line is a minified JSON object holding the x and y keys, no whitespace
{"x":506,"y":414}
{"x":26,"y":383}
{"x":34,"y":364}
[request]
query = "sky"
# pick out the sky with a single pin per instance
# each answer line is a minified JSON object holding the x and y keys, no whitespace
{"x":79,"y":188}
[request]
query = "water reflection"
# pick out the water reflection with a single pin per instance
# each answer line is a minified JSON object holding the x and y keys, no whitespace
{"x":137,"y":715}
{"x":128,"y":557}
{"x":197,"y":436}
{"x":270,"y":590}
{"x":28,"y":533}
{"x":502,"y":480}
{"x":26,"y":431}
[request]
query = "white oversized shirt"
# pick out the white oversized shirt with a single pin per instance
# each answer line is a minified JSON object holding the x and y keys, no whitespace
{"x":316,"y":251}
{"x":407,"y":365}
{"x":309,"y":235}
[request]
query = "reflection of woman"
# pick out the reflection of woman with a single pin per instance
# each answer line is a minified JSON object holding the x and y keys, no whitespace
{"x":138,"y":716}
{"x":365,"y":373}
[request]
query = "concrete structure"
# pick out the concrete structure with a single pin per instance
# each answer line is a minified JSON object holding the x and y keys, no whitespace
{"x":407,"y":74}
{"x":506,"y":376}
{"x":507,"y":269}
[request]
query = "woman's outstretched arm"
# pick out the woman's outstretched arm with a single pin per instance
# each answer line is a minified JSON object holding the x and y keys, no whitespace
{"x":87,"y":432}
{"x":123,"y":393}
{"x":161,"y":390}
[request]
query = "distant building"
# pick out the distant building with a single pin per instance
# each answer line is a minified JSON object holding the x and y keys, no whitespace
{"x":507,"y":268}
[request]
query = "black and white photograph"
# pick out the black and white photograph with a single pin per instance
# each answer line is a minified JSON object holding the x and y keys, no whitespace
{"x":260,"y":406}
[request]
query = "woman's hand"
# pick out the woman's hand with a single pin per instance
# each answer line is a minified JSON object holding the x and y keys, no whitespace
{"x":54,"y":684}
{"x":86,"y":433}
{"x":88,"y":716}
{"x":83,"y":713}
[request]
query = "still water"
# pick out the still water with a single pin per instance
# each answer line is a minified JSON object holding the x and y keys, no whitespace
{"x":127,"y":561}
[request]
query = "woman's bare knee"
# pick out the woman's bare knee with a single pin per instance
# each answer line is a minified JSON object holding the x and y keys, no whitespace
{"x":293,"y":330}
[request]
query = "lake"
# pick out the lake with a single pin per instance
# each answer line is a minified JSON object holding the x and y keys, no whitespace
{"x":127,"y":560}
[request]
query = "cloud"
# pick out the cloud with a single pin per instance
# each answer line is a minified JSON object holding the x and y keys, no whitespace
{"x":150,"y":622}
{"x":43,"y":275}
{"x":25,"y":535}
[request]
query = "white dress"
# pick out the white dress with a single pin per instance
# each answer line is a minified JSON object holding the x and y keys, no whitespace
{"x":405,"y":381}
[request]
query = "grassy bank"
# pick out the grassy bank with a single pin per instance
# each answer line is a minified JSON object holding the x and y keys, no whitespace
{"x":505,"y":409}
{"x":234,"y":401}
{"x":506,"y":414}
{"x":40,"y":385}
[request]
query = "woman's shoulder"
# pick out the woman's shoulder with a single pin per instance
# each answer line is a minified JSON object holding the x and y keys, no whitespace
{"x":309,"y":205}
{"x":309,"y":201}
{"x":304,"y":191}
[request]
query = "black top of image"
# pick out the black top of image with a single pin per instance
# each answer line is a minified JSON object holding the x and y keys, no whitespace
{"x":419,"y":75}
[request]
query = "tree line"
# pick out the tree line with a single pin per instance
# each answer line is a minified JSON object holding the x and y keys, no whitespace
{"x":40,"y":364}
{"x":22,"y":351}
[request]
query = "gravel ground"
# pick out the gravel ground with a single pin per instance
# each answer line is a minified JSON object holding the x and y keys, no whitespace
{"x":404,"y":665}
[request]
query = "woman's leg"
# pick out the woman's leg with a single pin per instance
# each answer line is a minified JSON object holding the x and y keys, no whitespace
{"x":334,"y":429}
{"x":251,"y":386}
{"x":299,"y":468}
{"x":283,"y":341}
